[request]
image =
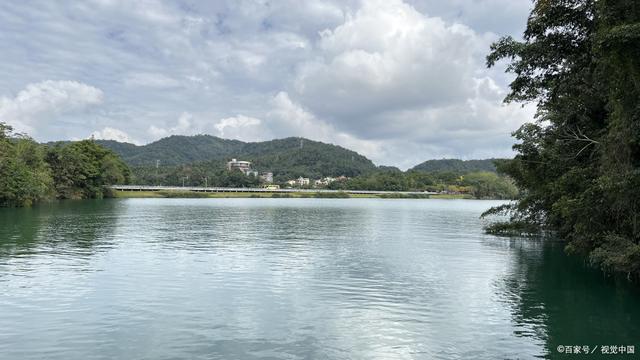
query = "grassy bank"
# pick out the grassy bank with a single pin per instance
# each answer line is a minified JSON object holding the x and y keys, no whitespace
{"x":340,"y":195}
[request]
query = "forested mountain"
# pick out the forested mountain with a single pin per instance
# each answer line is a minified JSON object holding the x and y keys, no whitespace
{"x":456,"y":165}
{"x":201,"y":160}
{"x":298,"y":156}
{"x":176,"y":150}
{"x":302,"y":157}
{"x":290,"y":157}
{"x":30,"y":172}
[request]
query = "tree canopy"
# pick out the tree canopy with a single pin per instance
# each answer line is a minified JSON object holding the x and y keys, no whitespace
{"x":24,"y":176}
{"x":578,"y":164}
{"x":456,"y":165}
{"x":30,"y":172}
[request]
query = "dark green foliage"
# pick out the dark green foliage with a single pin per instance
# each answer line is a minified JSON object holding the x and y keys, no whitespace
{"x":201,"y":160}
{"x":488,"y":185}
{"x":579,"y":165}
{"x":213,"y":173}
{"x":30,"y":172}
{"x":82,"y":169}
{"x":176,"y":150}
{"x":199,"y":174}
{"x":477,"y":184}
{"x":294,"y":157}
{"x":456,"y":166}
{"x":24,"y":176}
{"x":389,"y":169}
{"x":285,"y":158}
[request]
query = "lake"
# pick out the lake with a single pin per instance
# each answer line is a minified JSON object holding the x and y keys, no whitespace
{"x":293,"y":279}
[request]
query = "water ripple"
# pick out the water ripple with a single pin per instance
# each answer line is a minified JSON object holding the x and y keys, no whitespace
{"x":266,"y":279}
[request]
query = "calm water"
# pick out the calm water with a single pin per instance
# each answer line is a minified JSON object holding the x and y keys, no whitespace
{"x":292,"y":279}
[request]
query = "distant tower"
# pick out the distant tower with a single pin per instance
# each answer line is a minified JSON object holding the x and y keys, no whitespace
{"x":301,"y":143}
{"x":157,"y":163}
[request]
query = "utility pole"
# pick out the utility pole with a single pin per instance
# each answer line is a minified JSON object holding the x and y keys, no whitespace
{"x":205,"y":181}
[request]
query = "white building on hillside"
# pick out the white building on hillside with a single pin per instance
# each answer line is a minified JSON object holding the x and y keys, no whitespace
{"x":244,"y":166}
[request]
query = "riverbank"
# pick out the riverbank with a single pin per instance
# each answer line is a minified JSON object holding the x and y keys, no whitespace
{"x":338,"y":195}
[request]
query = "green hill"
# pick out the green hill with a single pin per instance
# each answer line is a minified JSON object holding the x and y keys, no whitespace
{"x":455,"y":166}
{"x":175,"y":150}
{"x":201,"y":155}
{"x":289,"y":157}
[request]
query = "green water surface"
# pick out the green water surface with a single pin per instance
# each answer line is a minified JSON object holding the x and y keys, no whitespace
{"x":294,"y":279}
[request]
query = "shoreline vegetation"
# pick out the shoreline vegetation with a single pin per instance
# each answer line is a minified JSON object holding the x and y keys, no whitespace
{"x":269,"y":195}
{"x":31,"y":172}
{"x":578,"y":164}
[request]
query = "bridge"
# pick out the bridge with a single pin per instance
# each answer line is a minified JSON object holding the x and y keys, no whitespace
{"x":261,"y":190}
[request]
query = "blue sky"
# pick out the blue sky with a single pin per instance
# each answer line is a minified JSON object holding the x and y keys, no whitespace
{"x":398,"y":81}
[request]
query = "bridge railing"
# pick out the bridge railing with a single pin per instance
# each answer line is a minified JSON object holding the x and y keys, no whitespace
{"x":258,"y":190}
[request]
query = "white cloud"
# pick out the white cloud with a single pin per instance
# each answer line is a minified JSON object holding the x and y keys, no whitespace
{"x":44,"y":101}
{"x":291,"y":119}
{"x":241,"y":127}
{"x":109,"y":133}
{"x":388,"y":56}
{"x":408,"y":82}
{"x":183,"y":127}
{"x":398,"y":81}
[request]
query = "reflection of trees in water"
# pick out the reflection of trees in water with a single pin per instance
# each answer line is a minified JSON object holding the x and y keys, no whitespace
{"x":64,"y":227}
{"x":561,"y":301}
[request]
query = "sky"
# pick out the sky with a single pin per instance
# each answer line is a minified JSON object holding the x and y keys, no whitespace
{"x":398,"y":81}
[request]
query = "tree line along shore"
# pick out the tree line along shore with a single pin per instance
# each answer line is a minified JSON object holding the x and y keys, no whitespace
{"x":31,"y":172}
{"x":578,"y":164}
{"x":276,"y":195}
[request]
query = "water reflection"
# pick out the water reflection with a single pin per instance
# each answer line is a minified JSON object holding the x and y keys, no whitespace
{"x":559,"y":300}
{"x":290,"y":278}
{"x":71,"y":227}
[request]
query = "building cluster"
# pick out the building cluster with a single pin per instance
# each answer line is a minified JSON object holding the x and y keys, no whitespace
{"x":325,"y":181}
{"x":267,"y":177}
{"x":245,"y":168}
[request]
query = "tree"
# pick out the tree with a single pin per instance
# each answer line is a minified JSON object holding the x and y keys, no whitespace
{"x":83,"y":169}
{"x":24,"y":176}
{"x":578,"y":165}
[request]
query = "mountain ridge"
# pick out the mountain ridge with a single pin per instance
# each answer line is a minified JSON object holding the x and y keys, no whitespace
{"x":298,"y":155}
{"x":456,"y":165}
{"x":293,"y":156}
